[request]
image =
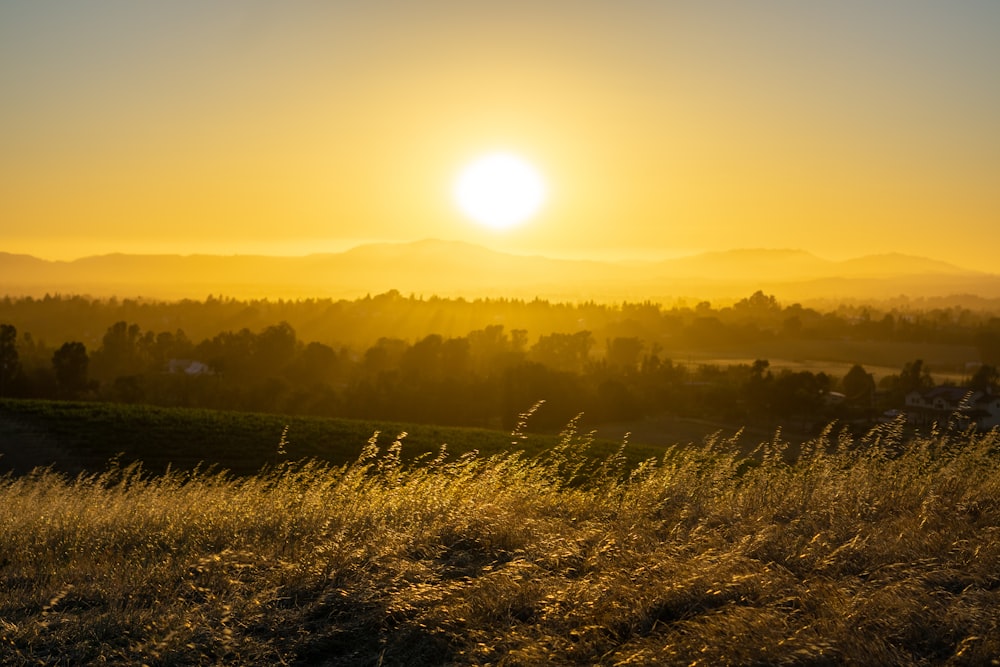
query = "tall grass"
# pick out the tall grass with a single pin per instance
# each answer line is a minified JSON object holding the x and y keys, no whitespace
{"x":872,"y":550}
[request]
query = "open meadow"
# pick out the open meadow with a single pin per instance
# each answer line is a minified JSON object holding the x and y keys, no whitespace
{"x":881,"y":549}
{"x":76,"y":436}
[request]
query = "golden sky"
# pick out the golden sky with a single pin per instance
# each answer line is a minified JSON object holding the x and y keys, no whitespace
{"x":843,"y":128}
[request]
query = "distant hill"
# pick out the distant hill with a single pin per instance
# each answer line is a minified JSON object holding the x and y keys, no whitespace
{"x":765,"y":264}
{"x":456,"y":269}
{"x":896,"y":264}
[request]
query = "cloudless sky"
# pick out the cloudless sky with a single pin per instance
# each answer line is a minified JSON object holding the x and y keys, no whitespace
{"x":844,"y":128}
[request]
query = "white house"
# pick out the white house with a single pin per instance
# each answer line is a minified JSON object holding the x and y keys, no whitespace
{"x":939,"y":403}
{"x":986,"y":412}
{"x":188,"y":367}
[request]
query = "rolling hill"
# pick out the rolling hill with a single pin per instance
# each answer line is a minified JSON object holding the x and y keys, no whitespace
{"x":455,"y":269}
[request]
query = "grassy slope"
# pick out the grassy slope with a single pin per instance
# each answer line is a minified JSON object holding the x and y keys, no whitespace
{"x":853,"y":558}
{"x":79,"y":435}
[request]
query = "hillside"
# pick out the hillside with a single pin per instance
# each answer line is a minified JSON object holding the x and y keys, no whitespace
{"x":73,"y":437}
{"x":453,"y":269}
{"x":884,"y":552}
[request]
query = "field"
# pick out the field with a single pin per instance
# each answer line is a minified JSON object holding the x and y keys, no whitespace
{"x":75,"y":437}
{"x":876,"y":550}
{"x":949,"y":363}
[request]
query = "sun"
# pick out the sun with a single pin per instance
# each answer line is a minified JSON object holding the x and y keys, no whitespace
{"x":500,"y":190}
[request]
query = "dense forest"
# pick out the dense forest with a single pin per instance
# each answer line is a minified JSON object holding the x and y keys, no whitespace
{"x":477,"y":363}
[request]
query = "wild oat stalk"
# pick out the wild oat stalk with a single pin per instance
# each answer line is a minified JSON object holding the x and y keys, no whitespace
{"x":871,"y":550}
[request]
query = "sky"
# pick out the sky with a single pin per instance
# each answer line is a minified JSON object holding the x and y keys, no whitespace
{"x":662,"y":129}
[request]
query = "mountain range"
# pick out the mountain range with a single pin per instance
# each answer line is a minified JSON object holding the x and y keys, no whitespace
{"x":457,"y":269}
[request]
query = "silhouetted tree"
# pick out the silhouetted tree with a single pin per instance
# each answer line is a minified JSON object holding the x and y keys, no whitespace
{"x":529,"y":382}
{"x":859,"y":387}
{"x":706,"y":330}
{"x":757,"y":304}
{"x":623,"y":354}
{"x":616,"y":402}
{"x":562,"y":351}
{"x":988,"y":342}
{"x":914,"y":377}
{"x":455,"y":360}
{"x":166,"y":346}
{"x":229,"y":353}
{"x":70,"y":363}
{"x":274,"y":348}
{"x":799,"y":394}
{"x":128,"y":389}
{"x":422,"y":360}
{"x":986,"y":378}
{"x":10,"y":363}
{"x":120,"y":352}
{"x":491,"y":350}
{"x":315,"y":365}
{"x":384,"y":355}
{"x":757,"y":391}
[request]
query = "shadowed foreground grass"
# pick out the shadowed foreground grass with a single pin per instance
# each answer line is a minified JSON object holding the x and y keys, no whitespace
{"x":863,"y":556}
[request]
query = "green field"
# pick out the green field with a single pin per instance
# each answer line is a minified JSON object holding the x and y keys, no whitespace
{"x":76,"y":436}
{"x":947,"y":362}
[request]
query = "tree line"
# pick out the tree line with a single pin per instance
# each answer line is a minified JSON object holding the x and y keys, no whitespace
{"x":359,"y":323}
{"x":483,"y":378}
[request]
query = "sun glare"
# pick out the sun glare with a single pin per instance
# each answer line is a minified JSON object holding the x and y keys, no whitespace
{"x":500,"y":190}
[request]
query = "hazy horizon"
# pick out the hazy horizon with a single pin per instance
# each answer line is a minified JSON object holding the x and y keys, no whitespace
{"x":429,"y":267}
{"x":293,"y":249}
{"x":637,"y":256}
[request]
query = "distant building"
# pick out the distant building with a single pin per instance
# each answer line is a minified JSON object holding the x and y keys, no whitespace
{"x":986,"y":412}
{"x":188,"y":367}
{"x":941,"y":403}
{"x":833,"y":398}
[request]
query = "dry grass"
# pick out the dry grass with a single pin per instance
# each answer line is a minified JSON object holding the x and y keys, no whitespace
{"x":875,"y":551}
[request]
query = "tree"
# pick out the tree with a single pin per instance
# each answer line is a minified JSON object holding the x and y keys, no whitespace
{"x":757,"y":389}
{"x":562,"y":351}
{"x":274,"y":348}
{"x":70,"y":364}
{"x":529,"y":382}
{"x":490,"y":349}
{"x":229,"y":353}
{"x":758,"y":303}
{"x":10,"y":364}
{"x":859,"y":387}
{"x":913,"y":377}
{"x":797,"y":393}
{"x":455,"y":359}
{"x":422,"y":360}
{"x":624,"y":353}
{"x":758,"y":368}
{"x":986,"y":378}
{"x":988,"y":342}
{"x":166,"y":346}
{"x":616,"y":402}
{"x":383,"y":356}
{"x":315,"y":365}
{"x":119,"y":353}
